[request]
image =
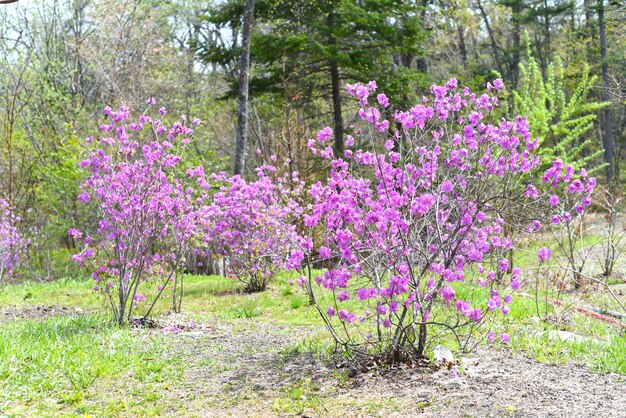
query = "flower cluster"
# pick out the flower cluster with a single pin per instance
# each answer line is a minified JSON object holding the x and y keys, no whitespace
{"x":406,"y":218}
{"x":12,"y":242}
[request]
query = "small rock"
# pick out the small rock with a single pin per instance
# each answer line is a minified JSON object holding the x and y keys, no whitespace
{"x":443,"y":355}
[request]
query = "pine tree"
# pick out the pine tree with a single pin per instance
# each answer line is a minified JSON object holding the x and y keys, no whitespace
{"x":316,"y":46}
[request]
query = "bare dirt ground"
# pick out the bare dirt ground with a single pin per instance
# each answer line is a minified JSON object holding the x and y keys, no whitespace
{"x":253,"y":371}
{"x":37,"y":312}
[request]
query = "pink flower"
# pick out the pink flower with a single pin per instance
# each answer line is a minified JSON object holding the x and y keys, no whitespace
{"x":554,"y":200}
{"x":503,"y":265}
{"x":544,"y":254}
{"x":83,"y":197}
{"x":382,"y":100}
{"x":346,"y":316}
{"x":324,"y":134}
{"x":448,"y":293}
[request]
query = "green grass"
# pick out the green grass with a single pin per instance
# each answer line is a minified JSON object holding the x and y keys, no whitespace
{"x":64,"y":292}
{"x":206,"y":295}
{"x":58,"y":364}
{"x":526,"y":254}
{"x":84,"y":365}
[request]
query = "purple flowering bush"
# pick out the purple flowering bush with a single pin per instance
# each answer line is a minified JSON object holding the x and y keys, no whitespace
{"x":146,"y":217}
{"x":13,"y":244}
{"x":253,"y":224}
{"x":416,"y":224}
{"x":569,"y":203}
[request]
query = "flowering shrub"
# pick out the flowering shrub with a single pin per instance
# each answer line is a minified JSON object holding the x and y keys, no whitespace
{"x":253,"y":224}
{"x":146,"y":218}
{"x":12,"y":242}
{"x":418,"y":223}
{"x":569,"y":202}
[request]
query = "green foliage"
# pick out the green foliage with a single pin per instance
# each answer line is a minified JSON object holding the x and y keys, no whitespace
{"x":294,"y":42}
{"x":60,"y":177}
{"x":563,"y":122}
{"x":246,"y":311}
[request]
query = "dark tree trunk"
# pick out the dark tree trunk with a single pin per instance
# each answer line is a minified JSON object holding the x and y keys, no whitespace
{"x":492,"y":39}
{"x":242,"y":98}
{"x":517,"y":47}
{"x":607,"y":138}
{"x":421,"y":340}
{"x":591,"y":30}
{"x":462,"y":47}
{"x":547,"y":25}
{"x":336,"y":92}
{"x":337,"y":117}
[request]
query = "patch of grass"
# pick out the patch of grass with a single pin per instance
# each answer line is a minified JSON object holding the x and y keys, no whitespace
{"x":296,"y":302}
{"x":245,"y":311}
{"x":73,"y":365}
{"x":210,"y":295}
{"x":61,"y":363}
{"x":64,"y":292}
{"x":85,"y":365}
{"x":320,"y":345}
{"x":603,"y":351}
{"x":301,"y":398}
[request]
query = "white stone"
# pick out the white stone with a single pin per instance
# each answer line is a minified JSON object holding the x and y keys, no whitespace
{"x":442,"y":354}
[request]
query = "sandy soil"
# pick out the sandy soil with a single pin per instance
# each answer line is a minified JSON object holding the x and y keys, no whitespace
{"x":249,"y":370}
{"x":37,"y":312}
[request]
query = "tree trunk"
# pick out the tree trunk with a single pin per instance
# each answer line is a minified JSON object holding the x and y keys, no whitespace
{"x":517,"y":44}
{"x":607,"y":138}
{"x":337,"y":117}
{"x":492,"y":39}
{"x":336,"y":91}
{"x":460,"y":30}
{"x":242,"y":98}
{"x":421,"y":340}
{"x":591,"y":30}
{"x":547,"y":24}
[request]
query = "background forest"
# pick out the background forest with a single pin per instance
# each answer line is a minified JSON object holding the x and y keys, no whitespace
{"x":61,"y":62}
